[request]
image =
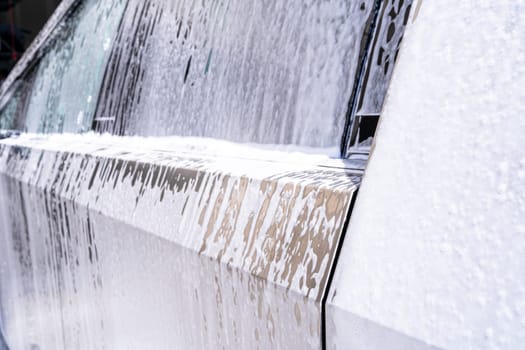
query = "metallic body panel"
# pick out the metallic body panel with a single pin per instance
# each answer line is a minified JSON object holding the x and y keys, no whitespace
{"x":187,"y":251}
{"x":435,"y":250}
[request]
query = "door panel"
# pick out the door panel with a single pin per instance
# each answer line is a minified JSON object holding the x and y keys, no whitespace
{"x":120,"y":243}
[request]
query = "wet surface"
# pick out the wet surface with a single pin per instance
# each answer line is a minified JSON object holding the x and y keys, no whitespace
{"x":259,"y":72}
{"x":120,"y":242}
{"x":264,"y":245}
{"x":435,"y":250}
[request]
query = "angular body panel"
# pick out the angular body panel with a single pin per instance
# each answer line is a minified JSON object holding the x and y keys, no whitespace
{"x":435,"y":251}
{"x":252,"y":250}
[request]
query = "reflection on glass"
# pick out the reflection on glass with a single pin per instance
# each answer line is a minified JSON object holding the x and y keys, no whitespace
{"x":63,"y":92}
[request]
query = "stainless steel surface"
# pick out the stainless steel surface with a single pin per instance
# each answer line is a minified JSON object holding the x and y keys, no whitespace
{"x":103,"y":239}
{"x":435,"y":250}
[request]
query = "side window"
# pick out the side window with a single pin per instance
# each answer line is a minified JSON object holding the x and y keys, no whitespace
{"x":272,"y":72}
{"x":60,"y":92}
{"x":284,"y":72}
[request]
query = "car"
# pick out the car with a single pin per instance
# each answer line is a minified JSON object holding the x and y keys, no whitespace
{"x":180,"y":175}
{"x":195,"y":175}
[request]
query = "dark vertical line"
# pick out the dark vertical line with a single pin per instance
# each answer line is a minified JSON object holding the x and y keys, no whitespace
{"x":187,"y":70}
{"x":332,"y":270}
{"x":352,"y":104}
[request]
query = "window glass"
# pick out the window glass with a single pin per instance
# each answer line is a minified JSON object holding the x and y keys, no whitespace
{"x":7,"y":119}
{"x":275,"y":72}
{"x":12,"y":108}
{"x":63,"y":93}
